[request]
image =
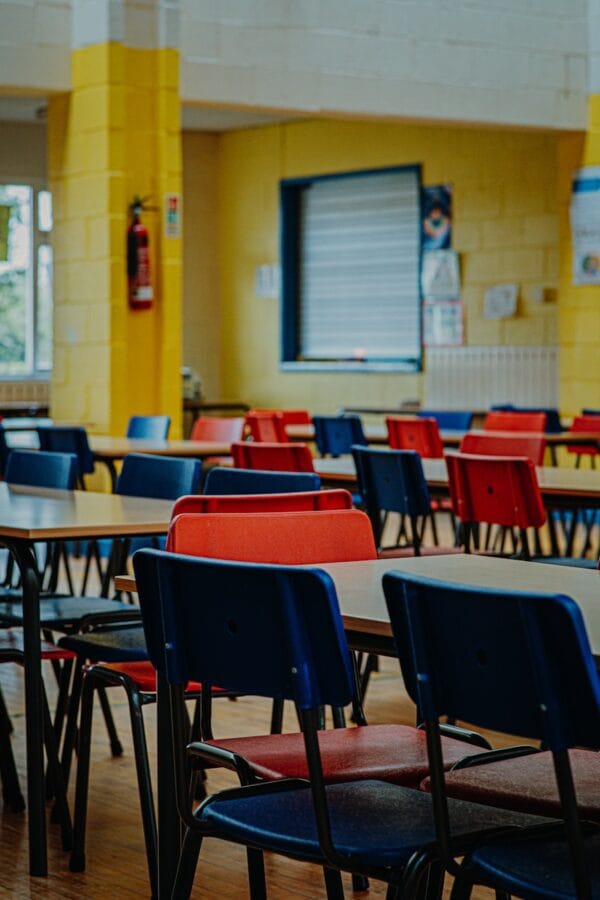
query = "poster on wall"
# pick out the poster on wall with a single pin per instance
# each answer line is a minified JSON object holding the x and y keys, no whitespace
{"x":440,"y":278}
{"x":436,"y":217}
{"x":585,"y":225}
{"x":443,"y":324}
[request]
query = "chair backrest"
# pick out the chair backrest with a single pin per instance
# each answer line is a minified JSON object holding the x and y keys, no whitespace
{"x":68,"y":439}
{"x":272,"y":631}
{"x":285,"y":538}
{"x":218,"y":428}
{"x":391,"y":481}
{"x":161,"y":477}
{"x":240,"y":503}
{"x":4,"y":450}
{"x":412,"y":433}
{"x":501,"y":490}
{"x":553,"y":422}
{"x":582,"y":424}
{"x":266,"y":426}
{"x":451,"y":419}
{"x":290,"y":416}
{"x":499,"y":420}
{"x":221,"y":480}
{"x":335,"y":435}
{"x":503,"y":443}
{"x":153,"y":427}
{"x":274,"y":456}
{"x":39,"y":468}
{"x":526,"y":667}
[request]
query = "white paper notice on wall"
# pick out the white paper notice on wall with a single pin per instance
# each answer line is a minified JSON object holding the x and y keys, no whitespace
{"x":500,"y":301}
{"x":585,"y":225}
{"x":267,"y":281}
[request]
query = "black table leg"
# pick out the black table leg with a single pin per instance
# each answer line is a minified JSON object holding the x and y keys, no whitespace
{"x":36,"y":817}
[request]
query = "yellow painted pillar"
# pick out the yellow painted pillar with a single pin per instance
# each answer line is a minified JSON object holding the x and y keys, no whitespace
{"x":116,"y":135}
{"x":579,"y":305}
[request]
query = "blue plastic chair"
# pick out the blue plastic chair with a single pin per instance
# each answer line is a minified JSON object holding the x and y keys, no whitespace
{"x":256,"y":481}
{"x":155,"y":427}
{"x":449,"y":419}
{"x":4,"y":450}
{"x":276,"y":631}
{"x":517,"y":663}
{"x":66,"y":439}
{"x":335,"y":435}
{"x":161,"y":477}
{"x":393,"y":481}
{"x":38,"y":468}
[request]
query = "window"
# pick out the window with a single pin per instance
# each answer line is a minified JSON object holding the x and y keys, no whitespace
{"x":351,"y":250}
{"x":25,"y":281}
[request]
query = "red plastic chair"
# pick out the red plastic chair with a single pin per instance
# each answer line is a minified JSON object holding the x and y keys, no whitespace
{"x":277,"y":457}
{"x":515,"y":421}
{"x":217,"y":428}
{"x":502,"y":443}
{"x":583,"y":424}
{"x":266,"y":427}
{"x":290,"y":416}
{"x":495,"y":490}
{"x":422,"y":435}
{"x":302,"y":501}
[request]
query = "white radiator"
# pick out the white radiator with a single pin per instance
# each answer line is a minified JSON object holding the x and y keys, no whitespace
{"x":476,"y":377}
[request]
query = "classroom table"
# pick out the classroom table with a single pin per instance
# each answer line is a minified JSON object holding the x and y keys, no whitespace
{"x":109,"y":450}
{"x":362,"y":604}
{"x":28,"y":515}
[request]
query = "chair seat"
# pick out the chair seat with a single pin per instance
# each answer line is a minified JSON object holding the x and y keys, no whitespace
{"x":60,"y":613}
{"x":111,"y":645}
{"x":143,"y":674}
{"x":528,"y":784}
{"x":396,"y":753}
{"x":375,"y":823}
{"x":402,"y":552}
{"x":11,"y":645}
{"x":535,"y":868}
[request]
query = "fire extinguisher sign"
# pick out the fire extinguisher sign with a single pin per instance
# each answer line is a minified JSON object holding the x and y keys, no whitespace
{"x":173,"y":215}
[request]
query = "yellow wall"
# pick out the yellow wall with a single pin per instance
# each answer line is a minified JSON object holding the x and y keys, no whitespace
{"x":579,"y":307}
{"x":506,"y":229}
{"x":201,"y":312}
{"x":116,"y":135}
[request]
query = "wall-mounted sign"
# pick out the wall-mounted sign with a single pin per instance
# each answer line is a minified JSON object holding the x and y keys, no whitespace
{"x":500,"y":301}
{"x":172,"y":215}
{"x":436,"y":217}
{"x":585,"y":225}
{"x":440,"y":278}
{"x":267,"y":281}
{"x":443,"y":324}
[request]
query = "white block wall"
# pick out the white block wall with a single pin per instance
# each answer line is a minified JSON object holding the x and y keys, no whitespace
{"x":507,"y":61}
{"x":35,"y":42}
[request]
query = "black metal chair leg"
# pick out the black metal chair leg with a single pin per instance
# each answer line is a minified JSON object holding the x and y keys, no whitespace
{"x":186,"y":867}
{"x":61,"y":812}
{"x":11,"y":789}
{"x":144,"y":786}
{"x":70,"y":737}
{"x":333,"y":884}
{"x":359,"y":883}
{"x":256,"y":874}
{"x":77,"y":860}
{"x":277,"y":717}
{"x":116,"y":748}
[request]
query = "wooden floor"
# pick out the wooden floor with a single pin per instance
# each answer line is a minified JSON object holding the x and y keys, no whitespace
{"x":116,"y":865}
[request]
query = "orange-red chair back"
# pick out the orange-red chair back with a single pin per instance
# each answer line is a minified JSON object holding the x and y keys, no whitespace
{"x":422,"y":435}
{"x":290,"y":416}
{"x":515,"y":421}
{"x":301,"y":501}
{"x":503,"y":443}
{"x":498,"y":490}
{"x":285,"y":538}
{"x":218,"y":428}
{"x":277,"y":457}
{"x":585,"y":424}
{"x":266,"y":426}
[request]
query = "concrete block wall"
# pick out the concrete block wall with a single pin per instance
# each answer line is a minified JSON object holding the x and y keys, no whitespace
{"x":35,"y":45}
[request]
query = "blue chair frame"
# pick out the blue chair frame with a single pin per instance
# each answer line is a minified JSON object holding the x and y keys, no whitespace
{"x":221,"y":480}
{"x":39,"y":468}
{"x":449,"y":419}
{"x":66,"y":439}
{"x":526,"y":668}
{"x":149,"y":427}
{"x":335,"y":435}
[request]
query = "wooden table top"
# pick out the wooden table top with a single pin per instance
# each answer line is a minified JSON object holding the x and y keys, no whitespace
{"x":553,"y":481}
{"x":36,"y":514}
{"x":106,"y":447}
{"x":362,"y":603}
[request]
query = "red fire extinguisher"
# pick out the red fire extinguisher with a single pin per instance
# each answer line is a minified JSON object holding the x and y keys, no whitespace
{"x":140,"y":291}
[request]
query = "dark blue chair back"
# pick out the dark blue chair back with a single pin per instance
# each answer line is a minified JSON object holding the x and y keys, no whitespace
{"x":67,"y":439}
{"x":4,"y":451}
{"x":161,"y":477}
{"x":273,"y":631}
{"x":256,"y":481}
{"x":553,"y":423}
{"x":590,"y":412}
{"x":391,"y":481}
{"x":335,"y":435}
{"x":449,"y":419}
{"x":505,"y":660}
{"x":37,"y":468}
{"x":154,"y":427}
